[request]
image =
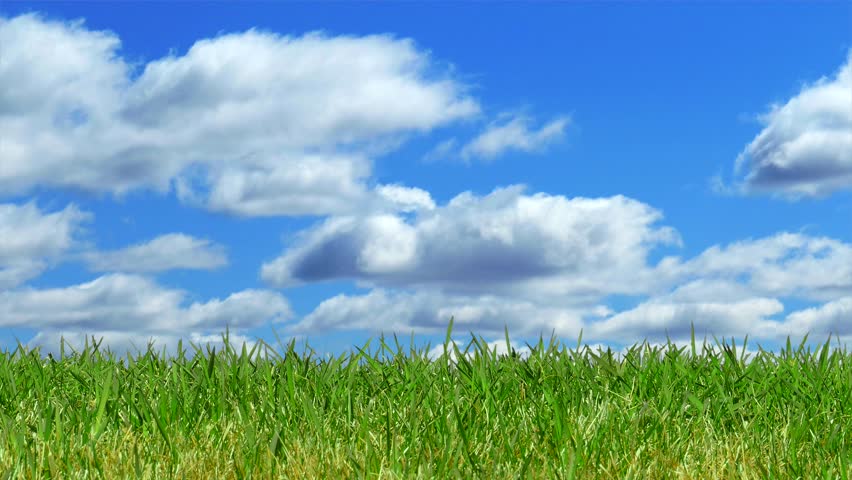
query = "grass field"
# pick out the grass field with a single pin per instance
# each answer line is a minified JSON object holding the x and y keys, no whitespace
{"x":701,"y":411}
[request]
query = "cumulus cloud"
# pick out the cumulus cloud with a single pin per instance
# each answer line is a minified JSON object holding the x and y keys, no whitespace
{"x":655,"y":320}
{"x":805,"y":148}
{"x":262,"y":186}
{"x":166,"y":252}
{"x":737,"y":289}
{"x":126,"y":312}
{"x":781,"y":265}
{"x":426,"y":311}
{"x":259,"y":124}
{"x":27,"y":232}
{"x":513,"y":134}
{"x":496,"y":243}
{"x":249,"y":123}
{"x":832,"y":317}
{"x":727,"y":290}
{"x":131,"y":303}
{"x":30,"y":239}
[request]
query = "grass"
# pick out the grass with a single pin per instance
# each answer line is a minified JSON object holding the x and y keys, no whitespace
{"x":704,"y":411}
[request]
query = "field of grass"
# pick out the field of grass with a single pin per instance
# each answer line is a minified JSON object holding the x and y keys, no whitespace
{"x":701,"y":411}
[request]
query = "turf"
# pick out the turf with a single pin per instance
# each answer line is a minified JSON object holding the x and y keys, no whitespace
{"x":700,"y":411}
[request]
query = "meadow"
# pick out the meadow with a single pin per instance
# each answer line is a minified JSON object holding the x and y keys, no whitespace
{"x":706,"y":410}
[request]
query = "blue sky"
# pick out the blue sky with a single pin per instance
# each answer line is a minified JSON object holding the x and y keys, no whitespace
{"x":339,"y":170}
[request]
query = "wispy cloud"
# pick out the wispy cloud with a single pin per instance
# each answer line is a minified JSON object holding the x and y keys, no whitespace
{"x":513,"y":133}
{"x":510,"y":132}
{"x":166,"y":252}
{"x":446,"y":149}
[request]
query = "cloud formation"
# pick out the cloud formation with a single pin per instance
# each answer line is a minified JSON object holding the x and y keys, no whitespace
{"x":504,"y":241}
{"x":834,"y":317}
{"x":131,"y":303}
{"x":249,"y":123}
{"x":425,"y":311}
{"x":513,"y":134}
{"x":30,"y":239}
{"x":733,"y":289}
{"x":656,"y":319}
{"x":805,"y":148}
{"x":166,"y":252}
{"x":510,"y":132}
{"x":782,"y":265}
{"x":260,"y":124}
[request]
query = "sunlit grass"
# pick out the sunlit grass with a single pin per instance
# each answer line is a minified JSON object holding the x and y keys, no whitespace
{"x":702,"y":411}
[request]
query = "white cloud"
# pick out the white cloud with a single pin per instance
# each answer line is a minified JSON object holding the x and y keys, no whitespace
{"x":833,"y":317}
{"x":503,"y":242}
{"x":27,"y":232}
{"x":280,"y":185}
{"x":782,"y":265}
{"x":249,"y":123}
{"x":325,"y":90}
{"x":130,"y":303}
{"x":426,"y":311}
{"x":166,"y":252}
{"x":19,"y":272}
{"x":30,"y":240}
{"x":707,"y":289}
{"x":406,"y":199}
{"x":737,"y":289}
{"x":727,"y":290}
{"x":655,"y":319}
{"x":805,"y":148}
{"x":514,"y":134}
{"x":257,"y":124}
